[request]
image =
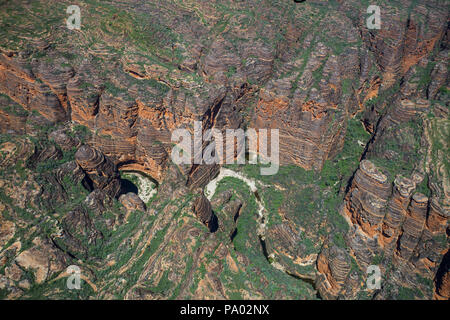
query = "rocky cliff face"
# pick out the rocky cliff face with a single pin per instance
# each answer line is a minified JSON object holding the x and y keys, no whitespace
{"x":202,"y":209}
{"x":363,"y":122}
{"x":392,"y":222}
{"x":102,"y":173}
{"x":391,"y":227}
{"x":308,"y":96}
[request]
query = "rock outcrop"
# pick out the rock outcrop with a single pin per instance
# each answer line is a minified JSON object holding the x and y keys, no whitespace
{"x":43,"y":258}
{"x":203,"y":211}
{"x":102,"y":172}
{"x":132,"y":202}
{"x":389,"y":222}
{"x":334,"y":266}
{"x":368,"y":198}
{"x":21,"y":85}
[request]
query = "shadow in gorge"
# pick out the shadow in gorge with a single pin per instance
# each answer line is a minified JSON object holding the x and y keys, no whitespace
{"x":128,"y":186}
{"x":214,"y":223}
{"x":442,"y":270}
{"x":134,"y":184}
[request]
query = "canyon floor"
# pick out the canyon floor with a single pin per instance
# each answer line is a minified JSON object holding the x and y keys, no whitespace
{"x":87,"y":180}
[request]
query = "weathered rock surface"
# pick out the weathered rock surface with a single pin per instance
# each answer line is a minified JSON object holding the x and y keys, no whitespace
{"x":43,"y":258}
{"x":132,"y":202}
{"x":203,"y":211}
{"x":388,"y":223}
{"x":101,"y":171}
{"x":334,"y":265}
{"x":136,"y":72}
